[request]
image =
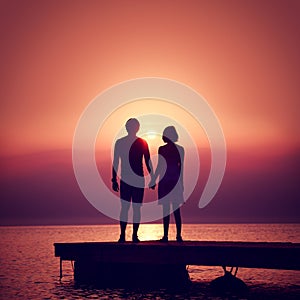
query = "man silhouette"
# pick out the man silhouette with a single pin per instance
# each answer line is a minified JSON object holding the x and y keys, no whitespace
{"x":130,"y":151}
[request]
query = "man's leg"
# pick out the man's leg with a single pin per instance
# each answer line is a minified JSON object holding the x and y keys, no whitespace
{"x":136,"y":218}
{"x":123,"y":218}
{"x":125,"y":205}
{"x":137,"y":199}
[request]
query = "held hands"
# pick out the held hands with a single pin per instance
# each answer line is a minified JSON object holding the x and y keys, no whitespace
{"x":152,"y":184}
{"x":115,"y":185}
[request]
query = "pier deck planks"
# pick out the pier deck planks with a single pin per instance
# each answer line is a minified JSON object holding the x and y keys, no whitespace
{"x":269,"y":255}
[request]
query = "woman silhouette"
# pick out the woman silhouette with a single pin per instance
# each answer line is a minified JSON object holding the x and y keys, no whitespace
{"x":170,"y":187}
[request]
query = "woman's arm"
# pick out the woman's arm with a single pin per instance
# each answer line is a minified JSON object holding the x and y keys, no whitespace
{"x":182,"y":166}
{"x":158,"y":170}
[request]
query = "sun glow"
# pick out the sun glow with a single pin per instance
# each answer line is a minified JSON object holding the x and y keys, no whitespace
{"x":151,"y":135}
{"x":153,"y":139}
{"x":154,"y":115}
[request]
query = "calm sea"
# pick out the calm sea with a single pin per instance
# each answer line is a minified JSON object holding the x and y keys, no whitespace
{"x":29,"y":270}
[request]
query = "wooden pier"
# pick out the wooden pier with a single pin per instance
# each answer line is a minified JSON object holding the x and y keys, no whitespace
{"x":149,"y":260}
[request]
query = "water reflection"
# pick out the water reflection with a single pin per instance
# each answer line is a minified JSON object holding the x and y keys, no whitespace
{"x":29,"y":270}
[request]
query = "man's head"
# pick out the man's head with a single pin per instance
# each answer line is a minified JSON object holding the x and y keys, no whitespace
{"x":132,"y":126}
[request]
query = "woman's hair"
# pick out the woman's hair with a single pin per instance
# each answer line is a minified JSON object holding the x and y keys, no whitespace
{"x":170,"y":134}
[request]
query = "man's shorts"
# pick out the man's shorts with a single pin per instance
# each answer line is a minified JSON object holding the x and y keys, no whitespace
{"x":131,"y":193}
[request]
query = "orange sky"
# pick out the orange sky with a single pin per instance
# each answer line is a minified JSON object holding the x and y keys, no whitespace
{"x":56,"y":56}
{"x":241,"y":56}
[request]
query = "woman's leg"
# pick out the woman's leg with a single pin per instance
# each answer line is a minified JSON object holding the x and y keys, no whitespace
{"x":166,"y":219}
{"x":177,"y":216}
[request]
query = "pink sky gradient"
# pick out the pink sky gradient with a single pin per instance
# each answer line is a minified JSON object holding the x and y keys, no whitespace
{"x":242,"y":56}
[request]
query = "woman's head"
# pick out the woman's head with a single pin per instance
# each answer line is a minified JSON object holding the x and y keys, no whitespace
{"x":170,"y":134}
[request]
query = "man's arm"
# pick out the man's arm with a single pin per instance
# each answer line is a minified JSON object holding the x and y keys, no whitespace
{"x":149,"y":165}
{"x":148,"y":160}
{"x":157,"y":172}
{"x":115,"y":166}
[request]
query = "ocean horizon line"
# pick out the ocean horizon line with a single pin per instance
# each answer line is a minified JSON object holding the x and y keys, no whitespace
{"x":152,"y":223}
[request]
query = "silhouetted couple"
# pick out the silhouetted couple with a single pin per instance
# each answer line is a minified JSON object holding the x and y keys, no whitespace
{"x":130,"y":152}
